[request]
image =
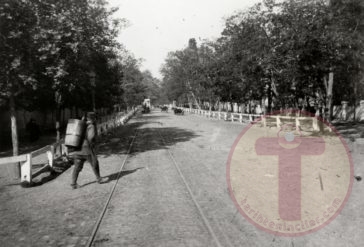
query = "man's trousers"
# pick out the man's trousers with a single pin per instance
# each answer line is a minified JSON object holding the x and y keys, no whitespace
{"x":78,"y":162}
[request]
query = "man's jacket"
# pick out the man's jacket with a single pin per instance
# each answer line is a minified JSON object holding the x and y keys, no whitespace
{"x":88,"y":145}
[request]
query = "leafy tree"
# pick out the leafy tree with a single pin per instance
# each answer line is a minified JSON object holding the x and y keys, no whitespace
{"x":49,"y":48}
{"x":174,"y":82}
{"x":153,"y":88}
{"x":17,"y":30}
{"x":188,"y":74}
{"x":281,"y":51}
{"x":134,"y":89}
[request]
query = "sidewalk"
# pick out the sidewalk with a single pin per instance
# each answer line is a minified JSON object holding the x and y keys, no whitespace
{"x":53,"y":214}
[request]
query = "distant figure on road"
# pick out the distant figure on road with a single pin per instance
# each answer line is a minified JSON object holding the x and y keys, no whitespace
{"x":164,"y":108}
{"x":86,"y":152}
{"x":178,"y":111}
{"x":33,"y":130}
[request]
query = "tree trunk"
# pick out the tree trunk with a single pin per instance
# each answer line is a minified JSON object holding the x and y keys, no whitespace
{"x":218,"y":105}
{"x":269,"y":92}
{"x":63,"y":116}
{"x":14,"y":135}
{"x":329,"y":94}
{"x":93,"y":100}
{"x":354,"y":99}
{"x":45,"y":118}
{"x":196,"y":102}
{"x":58,"y":124}
{"x":14,"y":129}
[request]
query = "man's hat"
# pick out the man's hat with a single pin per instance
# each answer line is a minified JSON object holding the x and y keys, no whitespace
{"x":91,"y":115}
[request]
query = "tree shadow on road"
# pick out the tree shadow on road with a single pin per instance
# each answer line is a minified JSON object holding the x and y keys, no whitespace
{"x":147,"y":138}
{"x":151,"y":116}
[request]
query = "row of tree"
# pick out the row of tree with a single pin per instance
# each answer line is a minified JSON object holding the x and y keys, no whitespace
{"x":64,"y":53}
{"x":289,"y":53}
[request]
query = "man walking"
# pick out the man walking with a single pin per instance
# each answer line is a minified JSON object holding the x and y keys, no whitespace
{"x":86,"y":152}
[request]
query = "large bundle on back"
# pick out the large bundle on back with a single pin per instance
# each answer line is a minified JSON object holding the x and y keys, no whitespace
{"x":75,"y":133}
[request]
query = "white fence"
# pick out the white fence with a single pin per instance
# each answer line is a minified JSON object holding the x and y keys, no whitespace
{"x":113,"y":121}
{"x":51,"y":152}
{"x":46,"y":154}
{"x":263,"y":120}
{"x":343,"y":112}
{"x":227,"y":116}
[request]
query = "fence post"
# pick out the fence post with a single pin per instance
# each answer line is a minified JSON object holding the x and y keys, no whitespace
{"x":225,"y":116}
{"x":250,"y":118}
{"x":240,"y":118}
{"x":232,"y":117}
{"x":26,"y":169}
{"x":278,"y":122}
{"x":264,"y":120}
{"x":297,"y":123}
{"x":50,"y":155}
{"x":64,"y":150}
{"x":315,"y":124}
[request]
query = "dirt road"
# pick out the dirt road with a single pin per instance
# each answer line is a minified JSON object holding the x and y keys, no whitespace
{"x":172,"y":192}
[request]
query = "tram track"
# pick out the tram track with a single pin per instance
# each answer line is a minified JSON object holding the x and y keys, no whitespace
{"x":101,"y":216}
{"x":204,"y":218}
{"x":207,"y":224}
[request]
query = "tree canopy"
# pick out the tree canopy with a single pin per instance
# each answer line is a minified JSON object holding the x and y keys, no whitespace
{"x":280,"y":52}
{"x":55,"y":53}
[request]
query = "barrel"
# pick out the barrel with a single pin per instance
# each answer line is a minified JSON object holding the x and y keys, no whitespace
{"x":75,"y":132}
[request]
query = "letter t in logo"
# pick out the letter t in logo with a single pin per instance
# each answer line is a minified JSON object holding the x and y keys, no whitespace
{"x":289,"y":170}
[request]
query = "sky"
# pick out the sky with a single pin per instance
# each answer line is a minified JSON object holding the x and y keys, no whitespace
{"x":157,"y":27}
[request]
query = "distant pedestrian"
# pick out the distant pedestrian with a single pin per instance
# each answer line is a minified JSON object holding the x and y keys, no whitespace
{"x":33,"y":130}
{"x":86,"y":152}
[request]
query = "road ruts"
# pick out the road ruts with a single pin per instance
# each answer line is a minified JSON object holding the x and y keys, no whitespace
{"x":151,"y":205}
{"x":154,"y":206}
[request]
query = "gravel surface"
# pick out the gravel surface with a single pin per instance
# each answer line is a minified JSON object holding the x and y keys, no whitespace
{"x":151,"y":205}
